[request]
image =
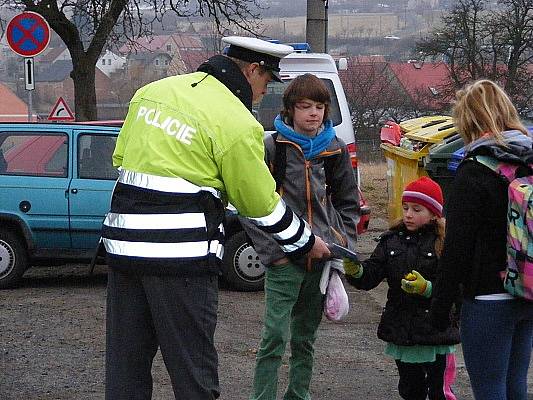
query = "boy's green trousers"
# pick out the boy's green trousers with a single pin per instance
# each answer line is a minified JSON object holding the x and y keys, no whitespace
{"x":293,"y":307}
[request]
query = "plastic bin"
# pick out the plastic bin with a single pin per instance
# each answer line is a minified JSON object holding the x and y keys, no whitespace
{"x":441,"y":157}
{"x":406,"y":163}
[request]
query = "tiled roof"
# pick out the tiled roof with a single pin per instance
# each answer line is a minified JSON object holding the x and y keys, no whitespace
{"x":155,"y":43}
{"x":12,"y":108}
{"x":422,"y":78}
{"x":187,"y":41}
{"x":193,"y":58}
{"x":146,"y":44}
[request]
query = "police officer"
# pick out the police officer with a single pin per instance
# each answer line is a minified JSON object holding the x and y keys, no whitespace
{"x":189,"y":144}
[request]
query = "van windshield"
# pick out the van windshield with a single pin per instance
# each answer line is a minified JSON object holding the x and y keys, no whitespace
{"x":271,"y":104}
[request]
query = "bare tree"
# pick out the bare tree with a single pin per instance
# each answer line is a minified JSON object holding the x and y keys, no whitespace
{"x":371,"y":90}
{"x":481,"y":42}
{"x":86,"y":26}
{"x":375,"y":94}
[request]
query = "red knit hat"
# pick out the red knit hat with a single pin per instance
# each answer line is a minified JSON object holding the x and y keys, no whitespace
{"x":426,"y":192}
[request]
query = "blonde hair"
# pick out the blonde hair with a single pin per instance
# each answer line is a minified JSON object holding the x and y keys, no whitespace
{"x":483,"y":107}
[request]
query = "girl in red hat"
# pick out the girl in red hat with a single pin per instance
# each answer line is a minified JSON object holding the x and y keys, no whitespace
{"x":407,"y":257}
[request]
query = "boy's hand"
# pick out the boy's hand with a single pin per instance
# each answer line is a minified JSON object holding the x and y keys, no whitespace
{"x":414,"y":283}
{"x":351,"y":268}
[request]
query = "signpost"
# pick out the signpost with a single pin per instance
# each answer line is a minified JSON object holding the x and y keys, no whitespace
{"x":28,"y":74}
{"x":61,"y":111}
{"x":28,"y":34}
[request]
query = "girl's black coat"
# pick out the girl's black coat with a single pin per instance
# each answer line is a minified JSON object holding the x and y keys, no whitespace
{"x":404,"y":320}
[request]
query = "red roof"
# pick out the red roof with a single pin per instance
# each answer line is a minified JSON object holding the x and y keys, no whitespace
{"x":187,"y":41}
{"x":12,"y":109}
{"x":423,"y":81}
{"x":146,"y":43}
{"x":193,"y":58}
{"x":156,"y":43}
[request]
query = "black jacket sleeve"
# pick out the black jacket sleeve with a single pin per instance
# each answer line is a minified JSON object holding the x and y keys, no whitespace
{"x":374,"y":269}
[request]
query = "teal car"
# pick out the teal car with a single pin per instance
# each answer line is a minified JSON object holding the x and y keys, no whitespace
{"x":55,"y":188}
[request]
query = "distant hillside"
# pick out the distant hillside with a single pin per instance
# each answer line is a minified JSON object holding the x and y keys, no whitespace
{"x":342,"y":26}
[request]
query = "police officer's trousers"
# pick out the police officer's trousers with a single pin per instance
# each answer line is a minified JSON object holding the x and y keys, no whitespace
{"x":176,"y":314}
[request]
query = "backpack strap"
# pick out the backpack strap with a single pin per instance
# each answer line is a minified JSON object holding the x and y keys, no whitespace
{"x":505,"y":170}
{"x":329,"y":169}
{"x":278,"y":165}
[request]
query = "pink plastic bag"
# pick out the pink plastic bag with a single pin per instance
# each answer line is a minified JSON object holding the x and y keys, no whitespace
{"x":336,"y":305}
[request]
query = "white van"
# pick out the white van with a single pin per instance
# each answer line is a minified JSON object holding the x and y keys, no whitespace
{"x":242,"y":268}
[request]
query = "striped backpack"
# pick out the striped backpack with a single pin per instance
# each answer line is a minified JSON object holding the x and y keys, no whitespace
{"x":518,"y":277}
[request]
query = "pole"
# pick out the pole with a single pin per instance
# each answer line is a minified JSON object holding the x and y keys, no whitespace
{"x":316,"y":27}
{"x":30,"y":105}
{"x":326,"y":21}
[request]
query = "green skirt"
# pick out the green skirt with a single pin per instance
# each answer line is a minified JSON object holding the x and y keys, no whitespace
{"x":417,"y":353}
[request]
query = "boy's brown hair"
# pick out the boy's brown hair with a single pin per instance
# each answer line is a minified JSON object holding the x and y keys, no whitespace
{"x":306,"y":86}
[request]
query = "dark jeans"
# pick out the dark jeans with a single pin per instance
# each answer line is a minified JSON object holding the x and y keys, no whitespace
{"x":497,"y":336}
{"x":177,"y":314}
{"x":433,"y":379}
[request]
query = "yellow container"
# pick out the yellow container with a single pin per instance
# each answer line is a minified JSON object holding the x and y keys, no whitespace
{"x":405,"y":165}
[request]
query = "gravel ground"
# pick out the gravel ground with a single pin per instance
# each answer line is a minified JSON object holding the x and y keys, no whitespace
{"x":52,"y":344}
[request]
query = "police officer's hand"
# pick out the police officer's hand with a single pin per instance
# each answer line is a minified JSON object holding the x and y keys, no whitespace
{"x":320,"y":249}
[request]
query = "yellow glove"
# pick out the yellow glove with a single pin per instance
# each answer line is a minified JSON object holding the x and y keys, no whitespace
{"x":414,"y":283}
{"x":351,"y":268}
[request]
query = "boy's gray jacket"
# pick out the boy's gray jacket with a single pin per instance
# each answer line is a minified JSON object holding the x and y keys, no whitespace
{"x":332,"y":216}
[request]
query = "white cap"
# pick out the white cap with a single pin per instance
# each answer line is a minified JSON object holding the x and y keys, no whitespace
{"x":267,"y":54}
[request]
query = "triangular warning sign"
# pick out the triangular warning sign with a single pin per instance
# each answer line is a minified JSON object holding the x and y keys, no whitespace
{"x":61,"y":111}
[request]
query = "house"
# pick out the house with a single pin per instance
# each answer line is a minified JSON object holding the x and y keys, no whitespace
{"x":52,"y":54}
{"x":188,"y":61}
{"x":185,"y":49}
{"x":424,"y":83}
{"x":12,"y":108}
{"x":188,"y":41}
{"x":152,"y":65}
{"x":56,"y":82}
{"x":151,"y":44}
{"x":110,"y":62}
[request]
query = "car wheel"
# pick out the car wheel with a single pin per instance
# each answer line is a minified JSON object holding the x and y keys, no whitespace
{"x":242,"y":269}
{"x":13,"y":259}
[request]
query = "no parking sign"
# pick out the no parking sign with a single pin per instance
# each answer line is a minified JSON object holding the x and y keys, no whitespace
{"x":28,"y":34}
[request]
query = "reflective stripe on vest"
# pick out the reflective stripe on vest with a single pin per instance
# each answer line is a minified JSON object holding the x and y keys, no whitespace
{"x":164,"y":250}
{"x":291,"y":236}
{"x":155,"y":221}
{"x":163,"y":183}
{"x":136,"y":229}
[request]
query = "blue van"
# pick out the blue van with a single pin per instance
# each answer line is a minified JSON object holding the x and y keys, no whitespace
{"x":55,"y":187}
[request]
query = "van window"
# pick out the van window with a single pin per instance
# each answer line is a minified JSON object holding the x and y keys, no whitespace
{"x":33,"y":155}
{"x":95,"y":153}
{"x":272,"y":103}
